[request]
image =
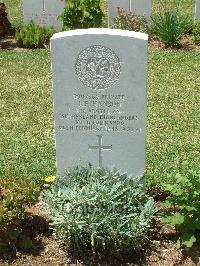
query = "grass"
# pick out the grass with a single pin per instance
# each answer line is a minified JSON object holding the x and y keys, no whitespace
{"x":173,"y":113}
{"x":27,"y":135}
{"x":27,"y":140}
{"x":15,"y":8}
{"x":15,"y":12}
{"x":27,"y":127}
{"x":186,"y":7}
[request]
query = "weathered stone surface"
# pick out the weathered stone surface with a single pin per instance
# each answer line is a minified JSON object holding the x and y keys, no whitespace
{"x":138,"y":7}
{"x":44,"y":12}
{"x":99,"y":91}
{"x":197,"y":9}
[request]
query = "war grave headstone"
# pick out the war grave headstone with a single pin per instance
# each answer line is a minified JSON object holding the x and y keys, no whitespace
{"x":44,"y":12}
{"x":138,"y":7}
{"x":99,"y":91}
{"x":197,"y":9}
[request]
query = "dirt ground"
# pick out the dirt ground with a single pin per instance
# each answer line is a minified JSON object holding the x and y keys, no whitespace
{"x":187,"y":44}
{"x":159,"y":250}
{"x":9,"y":43}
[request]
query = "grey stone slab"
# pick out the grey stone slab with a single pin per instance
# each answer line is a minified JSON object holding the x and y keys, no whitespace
{"x":43,"y":12}
{"x":99,"y":92}
{"x":197,"y":9}
{"x":113,"y":8}
{"x":142,"y":8}
{"x":138,"y":7}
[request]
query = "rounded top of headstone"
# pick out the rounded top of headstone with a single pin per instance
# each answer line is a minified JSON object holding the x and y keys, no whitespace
{"x":101,"y":31}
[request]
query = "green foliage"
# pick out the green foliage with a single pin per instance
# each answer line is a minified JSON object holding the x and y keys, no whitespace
{"x":196,"y":32}
{"x":170,"y":26}
{"x":28,"y":71}
{"x":185,"y":201}
{"x":129,"y":21}
{"x":5,"y":26}
{"x":100,"y":210}
{"x":168,"y":141}
{"x":34,"y":36}
{"x":185,"y":7}
{"x":14,"y":195}
{"x":82,"y":14}
{"x":173,"y":114}
{"x":15,"y":12}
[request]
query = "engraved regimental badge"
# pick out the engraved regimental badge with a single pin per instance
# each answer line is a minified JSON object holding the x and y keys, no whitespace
{"x":98,"y":67}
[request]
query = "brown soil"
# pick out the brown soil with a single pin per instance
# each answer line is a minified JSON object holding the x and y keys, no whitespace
{"x":160,"y":250}
{"x":9,"y":43}
{"x":186,"y":44}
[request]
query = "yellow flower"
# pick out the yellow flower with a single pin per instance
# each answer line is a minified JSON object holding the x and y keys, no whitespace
{"x":50,"y":179}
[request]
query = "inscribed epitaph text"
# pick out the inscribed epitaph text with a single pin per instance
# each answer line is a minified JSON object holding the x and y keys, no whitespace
{"x":99,"y":91}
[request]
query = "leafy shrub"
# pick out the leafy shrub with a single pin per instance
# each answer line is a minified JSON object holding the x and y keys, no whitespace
{"x":5,"y":25}
{"x":129,"y":21}
{"x":82,"y":14}
{"x":14,"y":195}
{"x":196,"y":32}
{"x":170,"y":26}
{"x":34,"y":36}
{"x":101,"y":211}
{"x":184,"y":199}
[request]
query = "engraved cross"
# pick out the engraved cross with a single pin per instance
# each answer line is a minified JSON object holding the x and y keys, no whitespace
{"x":44,"y":5}
{"x":101,"y":148}
{"x":130,"y":5}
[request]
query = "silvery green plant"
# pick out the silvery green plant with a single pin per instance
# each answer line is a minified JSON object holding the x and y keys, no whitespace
{"x":100,"y":209}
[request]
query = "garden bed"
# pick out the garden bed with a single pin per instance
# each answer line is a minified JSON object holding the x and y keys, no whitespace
{"x":187,"y":44}
{"x":37,"y":127}
{"x":160,"y":250}
{"x":29,"y":149}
